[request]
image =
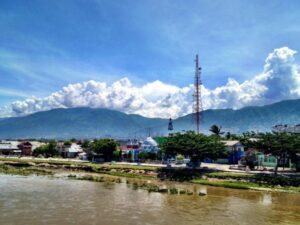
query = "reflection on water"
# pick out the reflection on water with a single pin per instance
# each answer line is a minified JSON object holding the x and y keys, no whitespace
{"x":40,"y":200}
{"x":266,"y":199}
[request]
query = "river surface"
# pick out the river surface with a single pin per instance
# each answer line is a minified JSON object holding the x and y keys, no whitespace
{"x":42,"y":200}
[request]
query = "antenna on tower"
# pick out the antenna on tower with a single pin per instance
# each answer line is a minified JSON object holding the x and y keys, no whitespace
{"x":197,"y":95}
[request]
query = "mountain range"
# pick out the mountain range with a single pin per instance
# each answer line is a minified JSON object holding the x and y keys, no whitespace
{"x":98,"y":122}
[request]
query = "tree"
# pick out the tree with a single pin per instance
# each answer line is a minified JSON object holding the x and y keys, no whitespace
{"x":250,"y":159}
{"x":117,"y":155}
{"x":51,"y":149}
{"x":195,"y":146}
{"x":85,"y":144}
{"x":39,"y":151}
{"x":215,"y":129}
{"x":228,"y":135}
{"x":48,"y":150}
{"x":281,"y":145}
{"x":129,"y":156}
{"x":142,"y":156}
{"x":67,"y":143}
{"x":105,"y":147}
{"x":160,"y":140}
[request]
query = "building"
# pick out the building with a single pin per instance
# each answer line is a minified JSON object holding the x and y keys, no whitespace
{"x":298,"y":162}
{"x":149,"y":145}
{"x":266,"y":160}
{"x":235,"y":151}
{"x":26,"y":148}
{"x":83,"y":156}
{"x":72,"y":151}
{"x":9,"y":148}
{"x":130,"y":148}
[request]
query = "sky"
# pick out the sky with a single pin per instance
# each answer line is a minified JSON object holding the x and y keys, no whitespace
{"x":138,"y":56}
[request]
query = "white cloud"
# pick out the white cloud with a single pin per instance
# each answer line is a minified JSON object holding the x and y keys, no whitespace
{"x":279,"y":80}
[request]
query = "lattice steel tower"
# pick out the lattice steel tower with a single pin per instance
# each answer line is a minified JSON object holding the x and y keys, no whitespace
{"x":197,"y":95}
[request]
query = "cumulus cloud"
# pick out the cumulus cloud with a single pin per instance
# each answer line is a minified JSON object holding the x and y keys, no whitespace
{"x":280,"y":79}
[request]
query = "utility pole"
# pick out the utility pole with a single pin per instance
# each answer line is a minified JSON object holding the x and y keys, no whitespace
{"x":197,"y":95}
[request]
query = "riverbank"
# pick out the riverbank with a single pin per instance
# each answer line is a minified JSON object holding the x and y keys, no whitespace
{"x":262,"y":182}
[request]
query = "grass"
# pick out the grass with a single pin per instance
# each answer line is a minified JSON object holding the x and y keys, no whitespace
{"x":229,"y":175}
{"x":36,"y":160}
{"x":245,"y":185}
{"x":261,"y":179}
{"x":129,"y":171}
{"x":226,"y":184}
{"x":24,"y":171}
{"x":96,"y":178}
{"x":130,"y":175}
{"x":95,"y":166}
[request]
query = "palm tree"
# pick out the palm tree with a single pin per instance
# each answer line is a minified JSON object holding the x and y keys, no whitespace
{"x":228,"y":135}
{"x":215,"y":129}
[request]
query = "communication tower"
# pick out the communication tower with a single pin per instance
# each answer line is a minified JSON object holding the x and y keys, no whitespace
{"x":197,"y":95}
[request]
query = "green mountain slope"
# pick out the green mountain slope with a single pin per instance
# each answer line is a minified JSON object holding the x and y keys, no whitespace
{"x":92,"y":123}
{"x":254,"y":118}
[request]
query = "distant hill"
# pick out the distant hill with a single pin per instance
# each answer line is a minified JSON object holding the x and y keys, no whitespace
{"x":92,"y":123}
{"x":75,"y":122}
{"x":252,"y":118}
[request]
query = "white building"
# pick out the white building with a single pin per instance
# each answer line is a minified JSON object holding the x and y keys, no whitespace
{"x":72,"y":151}
{"x":9,"y":148}
{"x":149,"y":145}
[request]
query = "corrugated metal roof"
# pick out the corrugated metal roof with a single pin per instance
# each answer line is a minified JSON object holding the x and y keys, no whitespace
{"x":74,"y":148}
{"x":231,"y":143}
{"x":9,"y":145}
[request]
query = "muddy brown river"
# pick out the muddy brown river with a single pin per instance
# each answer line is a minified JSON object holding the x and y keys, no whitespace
{"x":42,"y":200}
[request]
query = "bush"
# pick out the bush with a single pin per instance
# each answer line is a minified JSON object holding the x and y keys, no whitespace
{"x":147,"y":156}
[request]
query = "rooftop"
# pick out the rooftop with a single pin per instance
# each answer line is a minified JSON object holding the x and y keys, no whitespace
{"x":231,"y":143}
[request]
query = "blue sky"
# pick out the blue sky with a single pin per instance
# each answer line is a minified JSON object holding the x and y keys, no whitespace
{"x":45,"y":45}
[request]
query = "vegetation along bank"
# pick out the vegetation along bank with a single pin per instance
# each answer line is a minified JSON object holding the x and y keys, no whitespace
{"x":139,"y":176}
